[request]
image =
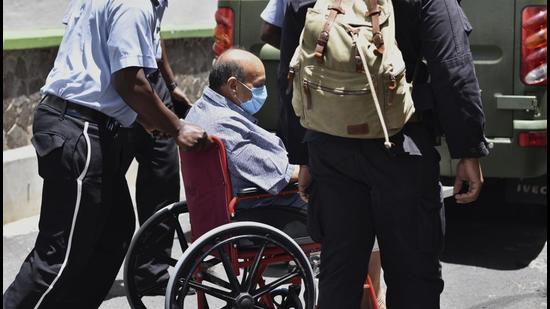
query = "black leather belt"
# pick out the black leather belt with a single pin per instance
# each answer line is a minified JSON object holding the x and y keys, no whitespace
{"x":65,"y":107}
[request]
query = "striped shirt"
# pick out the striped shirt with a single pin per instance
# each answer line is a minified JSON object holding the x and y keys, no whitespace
{"x":255,"y":156}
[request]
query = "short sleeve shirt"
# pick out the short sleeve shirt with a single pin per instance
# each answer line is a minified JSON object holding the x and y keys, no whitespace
{"x":274,"y":12}
{"x":101,"y":38}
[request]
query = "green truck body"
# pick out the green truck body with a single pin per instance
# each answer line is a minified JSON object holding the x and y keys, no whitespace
{"x":510,"y":106}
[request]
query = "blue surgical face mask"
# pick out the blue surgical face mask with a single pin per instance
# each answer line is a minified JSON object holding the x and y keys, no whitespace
{"x":259,"y":95}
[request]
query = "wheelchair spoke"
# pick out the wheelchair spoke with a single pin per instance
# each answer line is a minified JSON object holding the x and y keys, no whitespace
{"x":206,"y":276}
{"x":275,"y":284}
{"x":252,"y":274}
{"x":181,"y":235}
{"x":229,"y":270}
{"x":219,"y":294}
{"x":210,"y":263}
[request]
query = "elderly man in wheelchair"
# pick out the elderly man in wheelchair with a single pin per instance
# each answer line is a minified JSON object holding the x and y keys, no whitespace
{"x":256,"y":159}
{"x":244,"y":176}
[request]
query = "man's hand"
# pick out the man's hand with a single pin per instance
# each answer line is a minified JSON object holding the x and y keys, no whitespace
{"x":304,"y":181}
{"x":191,"y":137}
{"x":468,"y":170}
{"x":179,"y":97}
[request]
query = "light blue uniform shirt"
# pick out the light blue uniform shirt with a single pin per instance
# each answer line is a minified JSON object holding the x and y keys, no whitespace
{"x":274,"y":12}
{"x":102,"y":37}
{"x":255,"y":156}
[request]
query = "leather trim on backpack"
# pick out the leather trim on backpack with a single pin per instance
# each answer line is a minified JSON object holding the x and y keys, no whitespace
{"x":322,"y":41}
{"x":377,"y":38}
{"x":358,"y":129}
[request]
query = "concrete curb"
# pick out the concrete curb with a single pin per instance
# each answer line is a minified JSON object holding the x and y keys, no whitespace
{"x":22,"y":186}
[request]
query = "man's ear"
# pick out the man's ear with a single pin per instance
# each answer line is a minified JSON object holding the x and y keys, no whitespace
{"x":232,"y":84}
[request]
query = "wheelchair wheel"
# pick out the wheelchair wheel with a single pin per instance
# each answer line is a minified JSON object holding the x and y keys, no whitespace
{"x":287,"y":298}
{"x":207,"y":268}
{"x":144,"y":252}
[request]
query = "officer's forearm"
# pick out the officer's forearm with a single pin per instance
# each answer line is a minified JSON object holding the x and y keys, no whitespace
{"x":164,"y":66}
{"x":271,"y":35}
{"x":134,"y":88}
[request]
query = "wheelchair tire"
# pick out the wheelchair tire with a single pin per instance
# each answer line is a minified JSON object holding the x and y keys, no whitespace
{"x":196,"y":269}
{"x":154,"y":227}
{"x":286,"y":298}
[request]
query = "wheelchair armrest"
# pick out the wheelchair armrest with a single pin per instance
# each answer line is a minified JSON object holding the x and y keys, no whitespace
{"x":251,"y":191}
{"x":256,"y":191}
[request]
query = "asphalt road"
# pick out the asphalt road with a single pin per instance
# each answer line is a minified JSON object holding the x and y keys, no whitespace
{"x":495,"y":257}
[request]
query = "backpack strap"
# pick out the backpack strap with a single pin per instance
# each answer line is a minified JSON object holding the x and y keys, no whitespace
{"x":335,"y":8}
{"x":377,"y":38}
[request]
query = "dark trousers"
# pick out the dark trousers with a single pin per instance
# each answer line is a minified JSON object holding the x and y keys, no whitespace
{"x":360,"y":190}
{"x":289,"y":129}
{"x":157,"y":186}
{"x":86,"y":219}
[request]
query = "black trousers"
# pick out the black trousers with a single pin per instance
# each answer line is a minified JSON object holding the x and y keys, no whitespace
{"x":289,"y":129}
{"x":86,"y":219}
{"x":157,"y":186}
{"x":360,"y":190}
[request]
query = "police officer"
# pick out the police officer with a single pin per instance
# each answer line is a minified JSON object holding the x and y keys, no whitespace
{"x":158,"y":181}
{"x":359,"y":189}
{"x":97,"y":87}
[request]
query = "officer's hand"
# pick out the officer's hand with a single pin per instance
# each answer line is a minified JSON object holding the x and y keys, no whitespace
{"x":180,"y":98}
{"x":191,"y":137}
{"x":468,"y":170}
{"x":304,"y":181}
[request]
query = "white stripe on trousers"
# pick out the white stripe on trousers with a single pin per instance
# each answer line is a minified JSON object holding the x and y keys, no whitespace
{"x":75,"y":215}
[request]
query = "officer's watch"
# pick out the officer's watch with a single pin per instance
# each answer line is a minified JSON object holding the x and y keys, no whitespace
{"x":172,"y":86}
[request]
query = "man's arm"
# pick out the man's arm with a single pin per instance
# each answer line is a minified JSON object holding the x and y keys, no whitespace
{"x":257,"y":157}
{"x":176,"y":93}
{"x":446,"y":47}
{"x":134,"y":88}
{"x":273,"y":16}
{"x":130,"y":51}
{"x":271,"y":35}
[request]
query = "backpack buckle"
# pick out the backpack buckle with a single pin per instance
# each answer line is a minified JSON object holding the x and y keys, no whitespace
{"x":378,"y":41}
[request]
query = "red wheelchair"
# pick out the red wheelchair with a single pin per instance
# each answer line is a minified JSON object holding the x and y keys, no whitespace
{"x":230,"y":263}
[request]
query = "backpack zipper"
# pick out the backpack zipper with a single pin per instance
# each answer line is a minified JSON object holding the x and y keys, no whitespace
{"x":317,"y":86}
{"x":307,"y":85}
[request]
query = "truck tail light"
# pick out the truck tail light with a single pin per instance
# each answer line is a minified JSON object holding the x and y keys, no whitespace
{"x":533,"y":45}
{"x":223,"y":33}
{"x":532,"y":139}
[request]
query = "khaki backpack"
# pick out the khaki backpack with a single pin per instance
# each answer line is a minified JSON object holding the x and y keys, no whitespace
{"x":348,"y":74}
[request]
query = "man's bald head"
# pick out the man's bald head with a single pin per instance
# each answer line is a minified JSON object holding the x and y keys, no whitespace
{"x":243,"y":57}
{"x":233,"y":67}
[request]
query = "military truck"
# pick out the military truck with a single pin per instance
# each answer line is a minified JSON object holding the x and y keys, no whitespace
{"x":508,"y":43}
